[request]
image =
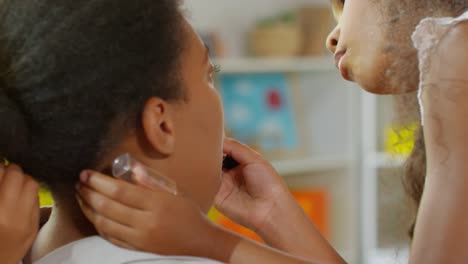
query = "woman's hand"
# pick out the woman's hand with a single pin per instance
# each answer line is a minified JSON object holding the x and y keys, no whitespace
{"x":19,"y":213}
{"x":156,"y":221}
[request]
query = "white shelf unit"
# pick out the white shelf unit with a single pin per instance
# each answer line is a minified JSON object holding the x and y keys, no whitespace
{"x":265,"y":65}
{"x":384,"y":216}
{"x":389,"y":256}
{"x":386,"y":161}
{"x":305,"y":165}
{"x":369,"y":178}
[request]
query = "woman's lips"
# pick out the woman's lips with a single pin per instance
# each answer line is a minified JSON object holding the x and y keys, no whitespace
{"x":339,"y":57}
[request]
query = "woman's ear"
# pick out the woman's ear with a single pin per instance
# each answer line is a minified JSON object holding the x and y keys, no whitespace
{"x":158,"y":125}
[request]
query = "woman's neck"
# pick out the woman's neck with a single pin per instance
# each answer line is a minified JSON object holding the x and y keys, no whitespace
{"x":66,"y":225}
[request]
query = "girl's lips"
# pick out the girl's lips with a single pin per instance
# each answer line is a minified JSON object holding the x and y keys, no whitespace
{"x":339,"y":56}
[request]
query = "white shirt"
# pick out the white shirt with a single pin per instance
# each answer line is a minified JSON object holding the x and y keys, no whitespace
{"x":96,"y":250}
{"x":426,"y":38}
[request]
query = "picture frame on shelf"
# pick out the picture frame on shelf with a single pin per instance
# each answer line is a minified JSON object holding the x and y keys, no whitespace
{"x":261,"y":111}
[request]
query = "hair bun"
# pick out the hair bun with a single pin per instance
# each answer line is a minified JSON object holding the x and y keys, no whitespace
{"x":13,"y":128}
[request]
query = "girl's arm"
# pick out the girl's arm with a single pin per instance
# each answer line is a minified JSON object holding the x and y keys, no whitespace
{"x":441,"y":234}
{"x":256,"y":196}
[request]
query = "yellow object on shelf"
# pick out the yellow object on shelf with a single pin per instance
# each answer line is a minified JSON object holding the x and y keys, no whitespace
{"x":45,"y":198}
{"x":400,"y":139}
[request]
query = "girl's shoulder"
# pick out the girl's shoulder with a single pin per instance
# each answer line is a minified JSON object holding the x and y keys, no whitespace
{"x":434,"y":35}
{"x":440,"y":41}
{"x":431,"y":30}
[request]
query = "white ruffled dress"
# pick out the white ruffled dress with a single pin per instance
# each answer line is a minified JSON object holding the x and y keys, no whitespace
{"x":426,"y":38}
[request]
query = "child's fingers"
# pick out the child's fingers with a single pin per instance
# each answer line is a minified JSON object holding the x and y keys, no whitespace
{"x":106,"y":227}
{"x":30,"y":192}
{"x":240,"y":152}
{"x":30,"y":199}
{"x":30,"y":186}
{"x":87,"y":211}
{"x":12,"y":185}
{"x":35,"y":216}
{"x":13,"y":167}
{"x":117,"y":190}
{"x":107,"y":207}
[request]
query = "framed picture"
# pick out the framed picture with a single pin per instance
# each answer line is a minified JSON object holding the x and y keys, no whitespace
{"x":259,"y":111}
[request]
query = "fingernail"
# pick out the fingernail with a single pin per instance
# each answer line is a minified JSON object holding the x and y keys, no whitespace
{"x":84,"y":176}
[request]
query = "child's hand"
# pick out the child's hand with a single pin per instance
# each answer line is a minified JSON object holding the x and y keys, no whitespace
{"x":151,"y":220}
{"x":19,"y":213}
{"x":251,"y":191}
{"x":254,"y":195}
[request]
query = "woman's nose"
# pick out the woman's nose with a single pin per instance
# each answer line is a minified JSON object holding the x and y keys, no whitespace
{"x":332,"y":40}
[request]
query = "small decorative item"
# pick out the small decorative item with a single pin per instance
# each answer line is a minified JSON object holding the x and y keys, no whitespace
{"x":400,"y":135}
{"x":400,"y":139}
{"x":45,"y":198}
{"x":276,"y":37}
{"x":316,"y":23}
